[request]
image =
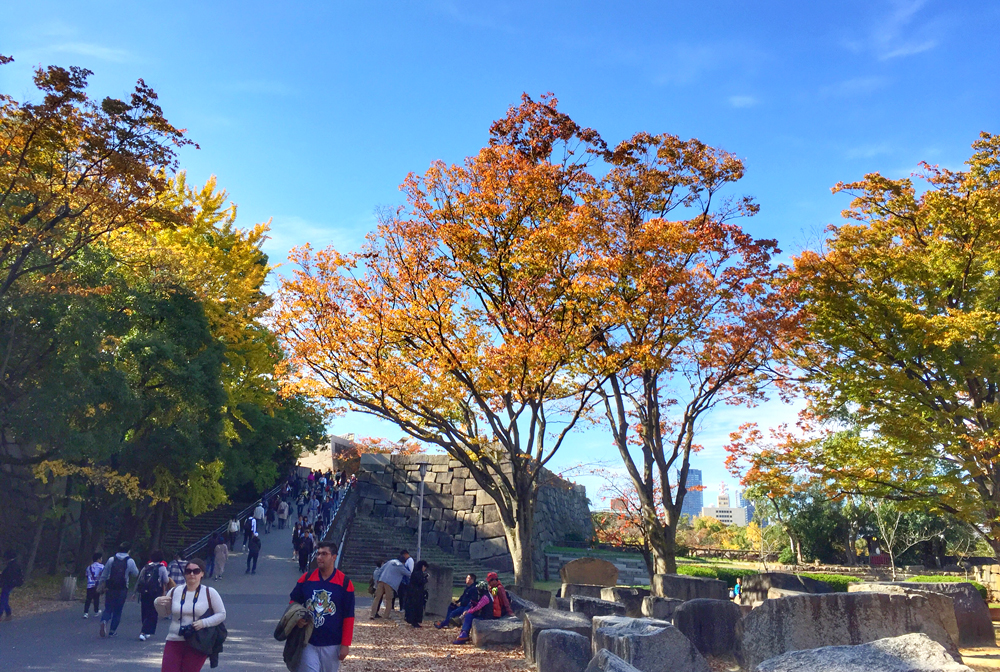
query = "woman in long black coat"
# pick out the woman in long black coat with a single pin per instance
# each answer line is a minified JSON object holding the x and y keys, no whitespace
{"x":416,"y":595}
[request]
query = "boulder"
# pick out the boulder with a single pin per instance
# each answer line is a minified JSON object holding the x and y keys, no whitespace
{"x":562,"y":651}
{"x":908,"y":653}
{"x":439,"y":589}
{"x":536,"y":595}
{"x":660,"y":607}
{"x":487,"y":631}
{"x":756,"y":588}
{"x":540,"y":620}
{"x":833,"y":619}
{"x":520,"y":605}
{"x":605,"y":661}
{"x":591,"y":607}
{"x":943,"y":605}
{"x":630,"y":597}
{"x":689,"y":587}
{"x":559,"y":603}
{"x":972,"y":615}
{"x":589,"y":571}
{"x":648,"y":645}
{"x":709,"y":624}
{"x":568,"y":590}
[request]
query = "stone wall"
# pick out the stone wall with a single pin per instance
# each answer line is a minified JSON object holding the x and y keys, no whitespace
{"x":631,"y":568}
{"x":459,"y":517}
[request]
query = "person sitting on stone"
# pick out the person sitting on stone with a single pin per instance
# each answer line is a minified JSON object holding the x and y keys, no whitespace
{"x":501,"y":603}
{"x":481,"y":609}
{"x":456,"y":609}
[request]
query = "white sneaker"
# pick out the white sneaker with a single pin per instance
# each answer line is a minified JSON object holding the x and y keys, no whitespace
{"x":86,"y":615}
{"x":142,"y":638}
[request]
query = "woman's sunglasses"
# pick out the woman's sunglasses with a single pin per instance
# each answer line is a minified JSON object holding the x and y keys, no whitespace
{"x":195,"y":570}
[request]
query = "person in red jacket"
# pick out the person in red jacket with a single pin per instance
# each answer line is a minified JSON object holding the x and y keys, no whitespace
{"x":328,"y":596}
{"x":501,"y":603}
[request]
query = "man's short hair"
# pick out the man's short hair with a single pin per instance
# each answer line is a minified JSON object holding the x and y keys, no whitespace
{"x":328,"y":545}
{"x":96,"y":557}
{"x":404,"y":552}
{"x":123,"y":547}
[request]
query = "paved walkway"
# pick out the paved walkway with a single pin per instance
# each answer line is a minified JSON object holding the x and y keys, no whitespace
{"x":63,"y":641}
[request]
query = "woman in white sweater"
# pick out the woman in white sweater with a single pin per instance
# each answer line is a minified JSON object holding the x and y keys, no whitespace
{"x":192,"y":604}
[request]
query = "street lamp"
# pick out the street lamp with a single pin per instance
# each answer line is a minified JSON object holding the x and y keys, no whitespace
{"x":420,"y":519}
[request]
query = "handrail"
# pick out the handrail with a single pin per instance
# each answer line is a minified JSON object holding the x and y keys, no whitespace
{"x":203,"y":542}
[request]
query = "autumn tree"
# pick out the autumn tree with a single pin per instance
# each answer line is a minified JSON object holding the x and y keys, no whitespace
{"x":691,"y":315}
{"x":459,"y":319}
{"x":901,"y":341}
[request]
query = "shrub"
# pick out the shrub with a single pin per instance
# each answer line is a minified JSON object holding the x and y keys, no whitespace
{"x":837,"y":582}
{"x":951,"y":579}
{"x":727,"y":574}
{"x":787,"y":556}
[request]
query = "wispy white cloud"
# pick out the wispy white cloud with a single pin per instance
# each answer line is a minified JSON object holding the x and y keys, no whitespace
{"x":743,"y":101}
{"x":899,"y":32}
{"x":91,"y":50}
{"x":867,"y":151}
{"x":856,"y":86}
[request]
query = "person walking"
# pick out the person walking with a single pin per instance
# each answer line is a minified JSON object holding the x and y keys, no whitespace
{"x":258,"y":516}
{"x":213,"y":541}
{"x":389,"y":578}
{"x":416,"y":595}
{"x":249,"y":529}
{"x":306,"y":546}
{"x":221,"y":557}
{"x":176,"y":570}
{"x":151,"y":584}
{"x":233,"y":530}
{"x":190,"y":606}
{"x":282,"y":514}
{"x":117,"y":572}
{"x":93,"y":575}
{"x":328,"y":597}
{"x":11,"y":578}
{"x":270,"y":517}
{"x":252,"y":553}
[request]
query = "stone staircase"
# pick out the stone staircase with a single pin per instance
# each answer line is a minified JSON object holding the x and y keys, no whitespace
{"x":371,"y":539}
{"x":179,"y":535}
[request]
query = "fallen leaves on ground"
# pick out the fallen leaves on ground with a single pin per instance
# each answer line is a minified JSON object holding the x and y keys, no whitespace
{"x":391,"y":644}
{"x":38,"y":597}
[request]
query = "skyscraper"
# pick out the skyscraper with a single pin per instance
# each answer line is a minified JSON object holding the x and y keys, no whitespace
{"x":693,"y":500}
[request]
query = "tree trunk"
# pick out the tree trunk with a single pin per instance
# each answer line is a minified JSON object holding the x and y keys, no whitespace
{"x":521,"y":543}
{"x":661,"y":543}
{"x":157,"y":529}
{"x":29,"y":566}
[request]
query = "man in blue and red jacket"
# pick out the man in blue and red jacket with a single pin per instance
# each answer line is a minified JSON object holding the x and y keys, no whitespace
{"x":328,"y":597}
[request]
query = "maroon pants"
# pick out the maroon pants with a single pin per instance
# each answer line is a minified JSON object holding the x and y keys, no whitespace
{"x":179,"y":657}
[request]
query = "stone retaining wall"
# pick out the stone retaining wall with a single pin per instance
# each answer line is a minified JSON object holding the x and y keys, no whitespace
{"x":461,"y":518}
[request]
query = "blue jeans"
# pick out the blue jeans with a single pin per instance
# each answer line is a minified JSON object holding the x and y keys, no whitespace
{"x":452,"y":613}
{"x":5,"y":601}
{"x":114,"y":601}
{"x":210,"y":564}
{"x":467,"y":623}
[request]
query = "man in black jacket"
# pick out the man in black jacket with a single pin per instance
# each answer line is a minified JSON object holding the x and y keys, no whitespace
{"x":469,"y":597}
{"x":253,"y":550}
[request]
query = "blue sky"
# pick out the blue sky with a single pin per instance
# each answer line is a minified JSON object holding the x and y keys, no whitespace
{"x":312,"y":114}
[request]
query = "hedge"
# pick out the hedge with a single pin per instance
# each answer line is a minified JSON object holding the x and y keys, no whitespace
{"x":838,"y":582}
{"x":727,"y":574}
{"x":951,"y":579}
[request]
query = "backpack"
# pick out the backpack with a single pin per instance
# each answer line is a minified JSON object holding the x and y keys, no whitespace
{"x":248,"y":526}
{"x":149,"y":580}
{"x":118,"y":577}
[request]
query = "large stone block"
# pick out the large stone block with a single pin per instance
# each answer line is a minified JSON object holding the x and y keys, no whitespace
{"x":559,"y":603}
{"x":489,"y":531}
{"x":589,"y":571}
{"x":439,"y":589}
{"x":758,"y":588}
{"x":568,"y":590}
{"x":562,"y":651}
{"x":709,"y":624}
{"x":834,"y":619}
{"x":972,"y":615}
{"x":374,"y":462}
{"x":942,"y":605}
{"x":401,"y":499}
{"x":605,"y":661}
{"x":647,"y":645}
{"x":630,"y":597}
{"x":660,"y":607}
{"x":689,"y":587}
{"x":592,"y":606}
{"x":487,"y":631}
{"x":458,"y":486}
{"x":463,"y":503}
{"x":520,"y":605}
{"x":487,"y":548}
{"x":536,"y":622}
{"x":906,"y":653}
{"x":536,"y":595}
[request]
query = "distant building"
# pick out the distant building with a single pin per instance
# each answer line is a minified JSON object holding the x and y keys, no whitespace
{"x":726,"y":514}
{"x":693,"y":499}
{"x":741,"y":500}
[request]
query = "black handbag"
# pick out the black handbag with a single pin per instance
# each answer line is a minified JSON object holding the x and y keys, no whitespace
{"x":208,"y":640}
